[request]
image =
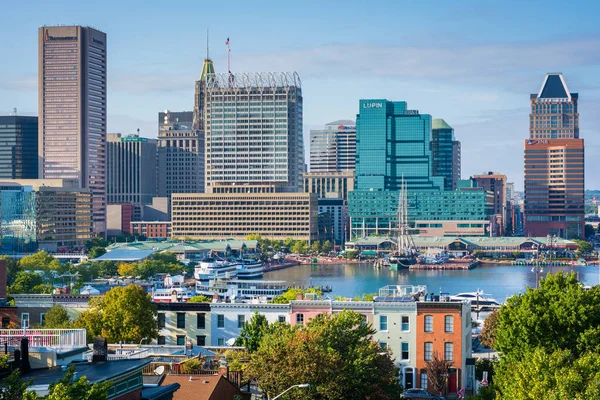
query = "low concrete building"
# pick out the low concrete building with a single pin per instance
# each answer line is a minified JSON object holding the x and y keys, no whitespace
{"x":271,"y":214}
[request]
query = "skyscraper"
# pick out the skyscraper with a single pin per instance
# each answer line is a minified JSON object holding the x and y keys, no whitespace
{"x":18,"y":147}
{"x":554,"y":163}
{"x":72,"y":111}
{"x":180,"y":159}
{"x":333,"y":149}
{"x":495,"y":183}
{"x":446,"y":153}
{"x":253,"y":129}
{"x":131,"y":166}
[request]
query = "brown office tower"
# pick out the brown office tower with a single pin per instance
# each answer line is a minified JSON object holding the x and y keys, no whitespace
{"x":554,"y":163}
{"x":72,"y":110}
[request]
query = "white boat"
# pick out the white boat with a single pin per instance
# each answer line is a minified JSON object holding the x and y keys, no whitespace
{"x":241,"y":290}
{"x":172,"y":295}
{"x":476,"y":298}
{"x":211,"y":268}
{"x":250,"y":269}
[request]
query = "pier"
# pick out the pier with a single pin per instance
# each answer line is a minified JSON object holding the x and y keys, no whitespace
{"x":445,"y":266}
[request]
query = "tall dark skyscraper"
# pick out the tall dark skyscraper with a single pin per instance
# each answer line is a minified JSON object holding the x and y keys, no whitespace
{"x":18,"y":147}
{"x":554,"y":163}
{"x":72,"y":110}
{"x":446,"y":153}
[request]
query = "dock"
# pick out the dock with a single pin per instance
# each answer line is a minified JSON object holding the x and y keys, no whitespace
{"x":445,"y":266}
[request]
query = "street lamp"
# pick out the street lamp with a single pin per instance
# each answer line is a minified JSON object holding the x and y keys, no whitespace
{"x":550,"y":239}
{"x":302,"y":385}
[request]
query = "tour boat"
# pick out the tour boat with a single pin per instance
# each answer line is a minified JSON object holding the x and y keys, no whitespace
{"x":241,"y":290}
{"x":477,"y":299}
{"x":211,"y":268}
{"x":250,"y":269}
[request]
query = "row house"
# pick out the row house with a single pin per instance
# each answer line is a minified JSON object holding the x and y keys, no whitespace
{"x":180,"y":322}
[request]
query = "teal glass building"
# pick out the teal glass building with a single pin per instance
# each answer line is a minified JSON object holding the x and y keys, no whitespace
{"x":394,"y":144}
{"x":442,"y":140}
{"x":18,"y":220}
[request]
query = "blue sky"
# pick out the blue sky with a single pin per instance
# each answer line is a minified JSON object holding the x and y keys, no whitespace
{"x":472,"y":63}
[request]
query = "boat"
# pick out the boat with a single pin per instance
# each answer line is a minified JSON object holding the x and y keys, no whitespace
{"x":250,"y":269}
{"x":211,"y":268}
{"x":171,"y":290}
{"x":242,"y":290}
{"x":477,"y":299}
{"x":581,"y":262}
{"x":406,"y":253}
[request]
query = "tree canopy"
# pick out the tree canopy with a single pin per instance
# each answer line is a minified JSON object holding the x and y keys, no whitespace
{"x":253,"y":332}
{"x":57,"y":318}
{"x":292,"y":294}
{"x":96,"y":252}
{"x":583,"y":247}
{"x":334,"y":354}
{"x":123,"y":313}
{"x":29,"y":282}
{"x":488,"y":333}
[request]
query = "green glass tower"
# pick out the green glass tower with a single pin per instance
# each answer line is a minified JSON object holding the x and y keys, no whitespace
{"x":442,"y":142}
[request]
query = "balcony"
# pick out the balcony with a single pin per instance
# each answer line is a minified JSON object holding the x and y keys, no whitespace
{"x":51,"y":339}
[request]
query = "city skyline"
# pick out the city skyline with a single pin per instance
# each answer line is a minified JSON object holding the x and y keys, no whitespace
{"x":475,"y":82}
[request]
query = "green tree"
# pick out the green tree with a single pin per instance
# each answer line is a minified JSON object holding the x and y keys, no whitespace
{"x":14,"y":388}
{"x":583,"y":247}
{"x":96,"y":252}
{"x":200,"y":299}
{"x":77,"y":389}
{"x":334,"y":354}
{"x":29,"y":282}
{"x":126,"y":269}
{"x":437,"y":374}
{"x":589,"y":231}
{"x":365,"y":297}
{"x":165,"y":257}
{"x":40,"y":261}
{"x":551,"y":376}
{"x":292,"y":294}
{"x":57,"y":318}
{"x":351,"y":254}
{"x":559,"y":315}
{"x":488,"y":333}
{"x":316,"y":247}
{"x":253,"y":332}
{"x":326,"y":247}
{"x":12,"y":267}
{"x":289,"y":244}
{"x":123,"y":313}
{"x":299,"y":247}
{"x":95,"y":242}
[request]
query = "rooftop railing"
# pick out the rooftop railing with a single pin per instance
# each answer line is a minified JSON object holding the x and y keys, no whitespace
{"x":46,"y":338}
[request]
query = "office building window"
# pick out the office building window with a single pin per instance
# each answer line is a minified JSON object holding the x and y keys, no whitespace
{"x":448,"y":351}
{"x":383,"y":326}
{"x":221,"y":341}
{"x":241,"y":321}
{"x":448,"y":323}
{"x":300,"y":319}
{"x":428,"y":351}
{"x":161,"y":340}
{"x":405,"y":324}
{"x":220,"y":321}
{"x":200,"y":340}
{"x":200,"y":321}
{"x":405,"y":352}
{"x":181,"y":320}
{"x":180,"y":340}
{"x":423,"y":379}
{"x":429,"y":323}
{"x":161,"y":320}
{"x":281,"y":319}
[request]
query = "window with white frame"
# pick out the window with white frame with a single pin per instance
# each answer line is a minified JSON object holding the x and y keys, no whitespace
{"x":300,"y":319}
{"x":383,"y":323}
{"x":24,"y":320}
{"x":405,"y":351}
{"x":428,"y":351}
{"x":423,"y":379}
{"x":448,"y":323}
{"x":448,"y":351}
{"x":241,"y":321}
{"x":405,"y":323}
{"x":429,"y":323}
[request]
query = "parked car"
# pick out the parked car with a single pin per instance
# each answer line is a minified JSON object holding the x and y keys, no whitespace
{"x":420,"y":394}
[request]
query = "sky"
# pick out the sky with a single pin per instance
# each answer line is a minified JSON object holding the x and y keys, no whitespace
{"x":472,"y":63}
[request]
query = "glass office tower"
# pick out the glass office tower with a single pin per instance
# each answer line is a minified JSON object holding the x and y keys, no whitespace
{"x":18,"y":147}
{"x":444,"y":153}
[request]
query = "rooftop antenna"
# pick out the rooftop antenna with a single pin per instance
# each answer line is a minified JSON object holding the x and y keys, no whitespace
{"x":15,"y":111}
{"x":228,"y":56}
{"x":207,"y":57}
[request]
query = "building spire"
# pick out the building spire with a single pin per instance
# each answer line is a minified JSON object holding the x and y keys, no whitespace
{"x":207,"y":57}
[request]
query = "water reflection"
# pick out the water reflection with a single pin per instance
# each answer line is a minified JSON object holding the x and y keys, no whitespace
{"x":355,"y":279}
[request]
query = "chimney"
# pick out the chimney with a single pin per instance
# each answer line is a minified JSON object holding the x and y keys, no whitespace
{"x":2,"y":279}
{"x":100,"y":349}
{"x":299,"y":296}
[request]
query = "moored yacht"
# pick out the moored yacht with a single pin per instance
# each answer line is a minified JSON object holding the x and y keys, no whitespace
{"x":477,"y":299}
{"x":212,"y":268}
{"x":241,"y":290}
{"x":250,"y":269}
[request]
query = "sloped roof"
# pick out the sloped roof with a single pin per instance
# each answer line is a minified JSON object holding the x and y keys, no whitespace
{"x":202,"y":387}
{"x":554,"y":87}
{"x":439,"y":123}
{"x":125,"y":255}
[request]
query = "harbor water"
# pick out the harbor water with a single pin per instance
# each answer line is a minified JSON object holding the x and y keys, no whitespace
{"x":349,"y":280}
